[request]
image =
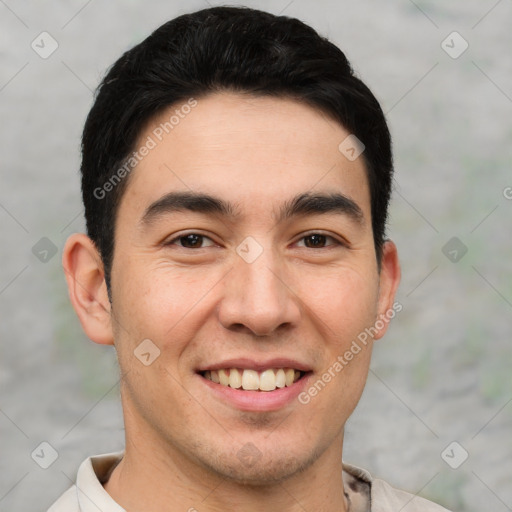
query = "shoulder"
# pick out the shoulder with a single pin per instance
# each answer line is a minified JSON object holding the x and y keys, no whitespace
{"x":92,"y":473}
{"x":68,"y":502}
{"x":385,"y":498}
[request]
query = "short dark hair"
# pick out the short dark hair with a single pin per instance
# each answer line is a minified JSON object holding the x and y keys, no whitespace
{"x":234,"y":49}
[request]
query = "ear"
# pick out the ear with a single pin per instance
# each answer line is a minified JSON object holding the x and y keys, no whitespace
{"x":87,"y":288}
{"x":388,"y":283}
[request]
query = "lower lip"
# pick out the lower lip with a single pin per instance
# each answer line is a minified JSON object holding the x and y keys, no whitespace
{"x":259,"y":401}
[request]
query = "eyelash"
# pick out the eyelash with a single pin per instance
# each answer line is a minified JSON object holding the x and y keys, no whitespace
{"x":337,"y":242}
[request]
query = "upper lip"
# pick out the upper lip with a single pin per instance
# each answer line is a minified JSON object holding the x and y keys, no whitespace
{"x":251,"y":364}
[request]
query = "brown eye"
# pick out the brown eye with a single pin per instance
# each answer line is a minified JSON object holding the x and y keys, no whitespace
{"x":189,"y":241}
{"x":318,"y":241}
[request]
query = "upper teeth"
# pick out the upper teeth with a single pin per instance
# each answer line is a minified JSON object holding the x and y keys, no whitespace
{"x":267,"y":380}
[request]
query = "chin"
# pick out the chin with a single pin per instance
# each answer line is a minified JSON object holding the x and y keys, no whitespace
{"x":264,"y":472}
{"x":253,"y":468}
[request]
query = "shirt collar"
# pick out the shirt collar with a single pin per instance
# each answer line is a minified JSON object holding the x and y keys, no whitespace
{"x":91,"y":495}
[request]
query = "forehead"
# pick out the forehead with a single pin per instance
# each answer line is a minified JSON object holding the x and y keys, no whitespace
{"x":254,"y":151}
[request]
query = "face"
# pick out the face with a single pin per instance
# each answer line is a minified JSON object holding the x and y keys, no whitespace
{"x":262,"y":274}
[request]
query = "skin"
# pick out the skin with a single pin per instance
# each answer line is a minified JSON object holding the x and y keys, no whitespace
{"x":207,"y":304}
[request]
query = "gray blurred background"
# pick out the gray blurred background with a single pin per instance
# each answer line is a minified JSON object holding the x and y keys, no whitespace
{"x":442,"y":374}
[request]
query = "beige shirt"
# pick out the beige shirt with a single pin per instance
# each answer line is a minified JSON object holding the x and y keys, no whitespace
{"x":365,"y":493}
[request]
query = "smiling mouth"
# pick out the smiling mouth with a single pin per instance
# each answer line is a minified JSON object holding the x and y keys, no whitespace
{"x":245,"y":379}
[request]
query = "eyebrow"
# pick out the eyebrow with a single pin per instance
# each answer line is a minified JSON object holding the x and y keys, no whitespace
{"x":301,"y":205}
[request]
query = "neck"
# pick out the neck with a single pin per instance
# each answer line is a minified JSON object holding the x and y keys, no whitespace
{"x":139,"y":484}
{"x":157,"y":474}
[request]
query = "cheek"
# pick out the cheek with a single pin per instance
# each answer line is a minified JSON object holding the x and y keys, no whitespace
{"x":345,"y":301}
{"x":156,"y":301}
{"x":345,"y":307}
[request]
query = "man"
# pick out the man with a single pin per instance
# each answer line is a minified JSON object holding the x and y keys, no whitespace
{"x":236,"y":180}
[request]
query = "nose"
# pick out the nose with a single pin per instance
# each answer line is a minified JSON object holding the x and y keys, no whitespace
{"x":258,"y":298}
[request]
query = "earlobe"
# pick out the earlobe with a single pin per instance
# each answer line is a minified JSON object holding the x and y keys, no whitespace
{"x":87,"y":289}
{"x":388,"y":284}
